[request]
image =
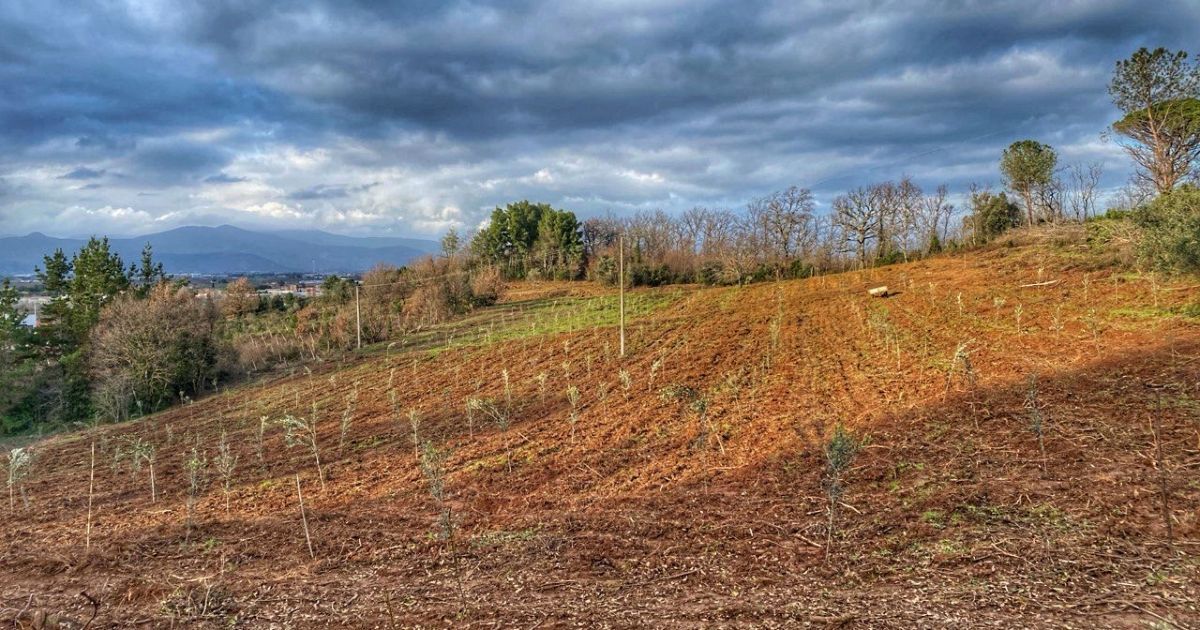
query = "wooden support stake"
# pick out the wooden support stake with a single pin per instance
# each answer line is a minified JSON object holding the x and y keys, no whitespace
{"x":304,"y":518}
{"x":621,"y":284}
{"x":357,"y":317}
{"x":87,"y":536}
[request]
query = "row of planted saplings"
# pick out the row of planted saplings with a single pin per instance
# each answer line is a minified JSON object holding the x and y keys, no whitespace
{"x":142,"y":454}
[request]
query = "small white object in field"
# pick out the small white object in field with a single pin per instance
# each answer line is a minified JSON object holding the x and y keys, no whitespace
{"x":878,"y":292}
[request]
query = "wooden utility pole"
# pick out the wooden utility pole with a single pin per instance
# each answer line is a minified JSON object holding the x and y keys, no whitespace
{"x":621,"y":283}
{"x":357,"y":316}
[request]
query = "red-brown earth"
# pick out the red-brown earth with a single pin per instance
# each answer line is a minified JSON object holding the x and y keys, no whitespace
{"x":651,"y":512}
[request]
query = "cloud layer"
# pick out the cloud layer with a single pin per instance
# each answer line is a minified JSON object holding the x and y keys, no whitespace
{"x":128,"y":117}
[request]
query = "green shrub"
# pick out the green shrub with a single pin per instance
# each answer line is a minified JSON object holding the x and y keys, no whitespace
{"x":992,"y":215}
{"x":711,"y":272}
{"x":1103,"y":230}
{"x":1170,"y":239}
{"x":643,"y":275}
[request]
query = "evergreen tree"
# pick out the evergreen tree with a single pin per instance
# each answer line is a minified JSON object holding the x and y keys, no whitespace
{"x":148,"y":273}
{"x":525,"y":236}
{"x":17,"y":364}
{"x":78,"y":290}
{"x":99,"y":276}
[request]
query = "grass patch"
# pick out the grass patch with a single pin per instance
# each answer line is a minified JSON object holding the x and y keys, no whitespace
{"x":368,"y":443}
{"x":935,"y":518}
{"x":500,"y":461}
{"x":533,"y":318}
{"x":1141,"y":313}
{"x":503,"y":538}
{"x":1047,"y":514}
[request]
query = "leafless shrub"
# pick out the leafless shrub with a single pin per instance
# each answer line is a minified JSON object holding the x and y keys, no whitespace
{"x":696,"y":403}
{"x":19,"y":463}
{"x":500,"y":415}
{"x":347,"y":417}
{"x":840,"y":450}
{"x":508,"y":392}
{"x":301,"y":431}
{"x":194,"y":468}
{"x":487,"y":285}
{"x":1037,"y":419}
{"x":573,"y":399}
{"x":140,"y":452}
{"x":414,"y":423}
{"x":432,"y":461}
{"x":260,"y":434}
{"x":225,"y":462}
{"x":960,"y":366}
{"x":428,"y":305}
{"x":1092,"y":321}
{"x":470,"y":418}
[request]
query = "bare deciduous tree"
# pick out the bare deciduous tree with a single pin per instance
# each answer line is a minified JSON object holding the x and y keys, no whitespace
{"x":856,"y":218}
{"x":240,"y":298}
{"x":1081,"y":190}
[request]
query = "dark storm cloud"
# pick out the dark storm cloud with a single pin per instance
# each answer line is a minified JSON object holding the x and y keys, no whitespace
{"x":103,"y":141}
{"x":222,"y":178}
{"x":319,"y":192}
{"x":480,"y":69}
{"x":106,"y":77}
{"x":464,"y":104}
{"x":325,"y":191}
{"x":83,"y":172}
{"x":177,"y":162}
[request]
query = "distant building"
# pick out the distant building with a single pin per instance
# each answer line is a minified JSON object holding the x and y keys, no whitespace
{"x":299,"y":290}
{"x":32,"y":305}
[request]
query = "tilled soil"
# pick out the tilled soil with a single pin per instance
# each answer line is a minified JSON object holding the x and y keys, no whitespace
{"x":653,"y":511}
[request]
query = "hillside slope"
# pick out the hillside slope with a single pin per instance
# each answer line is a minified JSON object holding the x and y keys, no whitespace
{"x":649,"y":511}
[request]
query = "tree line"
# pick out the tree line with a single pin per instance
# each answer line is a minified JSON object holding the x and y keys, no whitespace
{"x":781,"y":235}
{"x":48,"y":377}
{"x":115,"y":342}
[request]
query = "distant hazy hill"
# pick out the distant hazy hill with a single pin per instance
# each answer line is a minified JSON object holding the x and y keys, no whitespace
{"x":227,"y":249}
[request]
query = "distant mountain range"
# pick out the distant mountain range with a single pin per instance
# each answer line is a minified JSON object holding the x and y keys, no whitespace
{"x":230,"y":250}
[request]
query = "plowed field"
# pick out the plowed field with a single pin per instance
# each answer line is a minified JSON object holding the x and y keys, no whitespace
{"x":650,"y":510}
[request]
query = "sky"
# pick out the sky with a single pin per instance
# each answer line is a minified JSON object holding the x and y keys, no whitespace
{"x":410,"y":118}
